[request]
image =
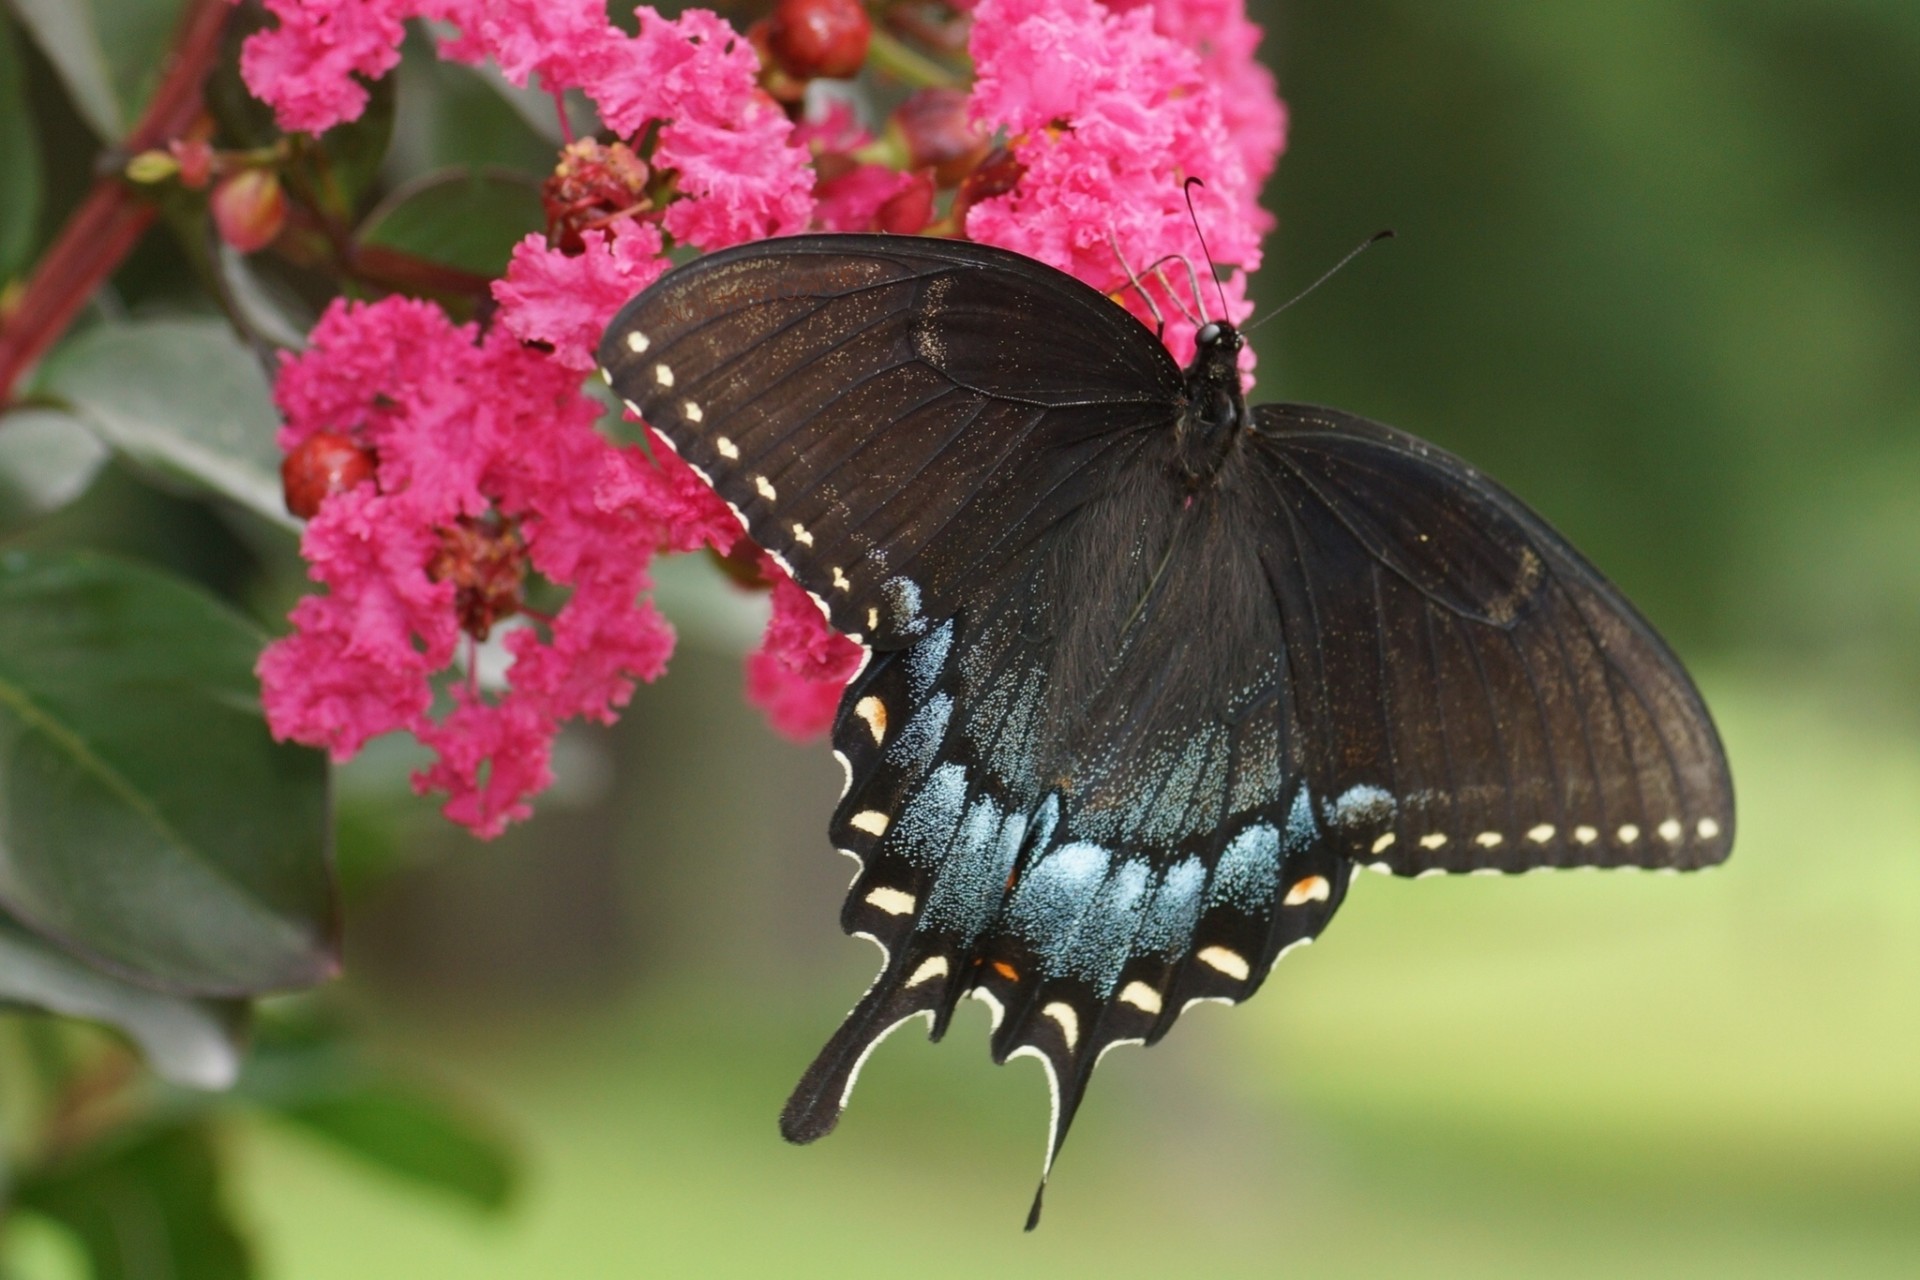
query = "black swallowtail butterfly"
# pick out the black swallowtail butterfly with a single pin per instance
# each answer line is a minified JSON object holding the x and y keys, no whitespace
{"x":1150,"y":673}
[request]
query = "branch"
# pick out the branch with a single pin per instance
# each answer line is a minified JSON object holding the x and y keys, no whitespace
{"x":109,"y":222}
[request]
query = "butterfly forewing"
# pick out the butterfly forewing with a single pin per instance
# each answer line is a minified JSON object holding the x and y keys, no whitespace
{"x":890,"y":416}
{"x":1475,"y":695}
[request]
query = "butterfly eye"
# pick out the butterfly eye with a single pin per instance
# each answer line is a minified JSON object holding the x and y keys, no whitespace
{"x":1208,"y":335}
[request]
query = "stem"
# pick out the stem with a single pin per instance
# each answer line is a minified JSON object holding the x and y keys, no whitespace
{"x":893,"y":57}
{"x":103,"y":230}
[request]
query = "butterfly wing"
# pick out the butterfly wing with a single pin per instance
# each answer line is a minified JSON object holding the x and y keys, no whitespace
{"x":891,"y":416}
{"x":1472,"y":694}
{"x":1077,"y":800}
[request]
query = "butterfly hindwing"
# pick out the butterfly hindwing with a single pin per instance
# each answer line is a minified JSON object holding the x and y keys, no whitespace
{"x":890,"y":416}
{"x":1476,"y":696}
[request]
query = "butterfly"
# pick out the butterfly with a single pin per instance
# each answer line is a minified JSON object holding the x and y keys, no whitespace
{"x":1149,"y":673}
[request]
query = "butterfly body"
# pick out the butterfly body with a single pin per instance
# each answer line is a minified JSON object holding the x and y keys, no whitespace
{"x":1151,"y":673}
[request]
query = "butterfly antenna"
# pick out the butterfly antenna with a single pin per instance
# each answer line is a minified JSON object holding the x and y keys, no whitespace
{"x":1186,"y":189}
{"x":1159,"y":321}
{"x":1329,"y":274}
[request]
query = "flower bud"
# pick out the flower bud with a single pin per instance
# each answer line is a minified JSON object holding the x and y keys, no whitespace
{"x":909,"y":210}
{"x":934,"y":127}
{"x":819,"y":38}
{"x":150,"y":167}
{"x":249,"y":208}
{"x":996,"y":175}
{"x":195,"y":158}
{"x":325,"y":463}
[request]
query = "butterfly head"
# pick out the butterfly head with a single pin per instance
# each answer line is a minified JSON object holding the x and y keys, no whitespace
{"x":1216,"y":407}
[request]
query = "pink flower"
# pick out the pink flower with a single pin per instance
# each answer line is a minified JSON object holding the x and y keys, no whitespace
{"x":740,"y":171}
{"x":306,"y":68}
{"x":1110,"y":117}
{"x":852,"y":200}
{"x":488,"y":469}
{"x":1220,"y":34}
{"x":567,"y":301}
{"x":802,"y":666}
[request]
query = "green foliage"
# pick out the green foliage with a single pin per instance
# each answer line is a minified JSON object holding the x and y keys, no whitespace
{"x":145,"y":1207}
{"x":47,"y":459}
{"x":152,"y":825}
{"x":186,"y":1041}
{"x":467,"y":220}
{"x":19,"y":161}
{"x":183,"y":397}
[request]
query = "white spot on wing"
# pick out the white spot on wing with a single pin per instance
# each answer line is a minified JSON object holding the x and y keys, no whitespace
{"x":1708,"y":828}
{"x":1628,"y":833}
{"x":871,"y":821}
{"x":1489,"y":839}
{"x":728,"y":449}
{"x":606,"y":375}
{"x":1584,"y":834}
{"x":692,"y":411}
{"x":1384,"y":843}
{"x":637,"y":342}
{"x":930,"y":968}
{"x":1067,"y":1020}
{"x":1311,"y":889}
{"x":1141,"y":996}
{"x":840,"y":579}
{"x":1541,"y":834}
{"x":1670,"y":831}
{"x":764,"y":487}
{"x":892,"y":901}
{"x":1231,"y":963}
{"x":801,"y":536}
{"x":846,"y":767}
{"x":663,"y":375}
{"x":1433,"y":840}
{"x":874,"y":712}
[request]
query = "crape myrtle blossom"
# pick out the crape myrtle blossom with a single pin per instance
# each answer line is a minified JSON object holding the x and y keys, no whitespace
{"x":483,"y":498}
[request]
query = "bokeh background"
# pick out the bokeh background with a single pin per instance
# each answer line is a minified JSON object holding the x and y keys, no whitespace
{"x":1658,"y":269}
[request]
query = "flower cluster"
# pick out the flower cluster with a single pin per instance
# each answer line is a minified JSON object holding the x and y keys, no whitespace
{"x":456,"y":483}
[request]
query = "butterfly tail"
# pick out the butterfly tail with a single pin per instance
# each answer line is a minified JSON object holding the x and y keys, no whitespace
{"x":822,"y":1094}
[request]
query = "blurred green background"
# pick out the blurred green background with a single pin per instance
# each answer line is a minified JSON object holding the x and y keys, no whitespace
{"x":1658,"y":269}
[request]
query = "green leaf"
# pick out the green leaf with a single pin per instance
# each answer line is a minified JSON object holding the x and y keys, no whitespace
{"x":19,"y":160}
{"x":149,"y":823}
{"x":67,"y":35}
{"x":354,"y":151}
{"x":196,"y":1043}
{"x":144,"y":1208}
{"x":305,"y":1072}
{"x":135,"y":36}
{"x":47,"y":459}
{"x":410,"y":1132}
{"x":181,"y":396}
{"x":469,"y":220}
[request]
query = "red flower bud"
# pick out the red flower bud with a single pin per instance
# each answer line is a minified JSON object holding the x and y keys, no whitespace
{"x":325,"y":463}
{"x":908,"y":211}
{"x":996,"y":175}
{"x":249,"y":208}
{"x":825,"y":38}
{"x":195,"y":159}
{"x":933,"y":124}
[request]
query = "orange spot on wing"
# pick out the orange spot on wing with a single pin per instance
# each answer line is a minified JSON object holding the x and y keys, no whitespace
{"x":1006,"y":971}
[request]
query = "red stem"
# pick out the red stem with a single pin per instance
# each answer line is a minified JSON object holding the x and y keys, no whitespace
{"x":109,"y":222}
